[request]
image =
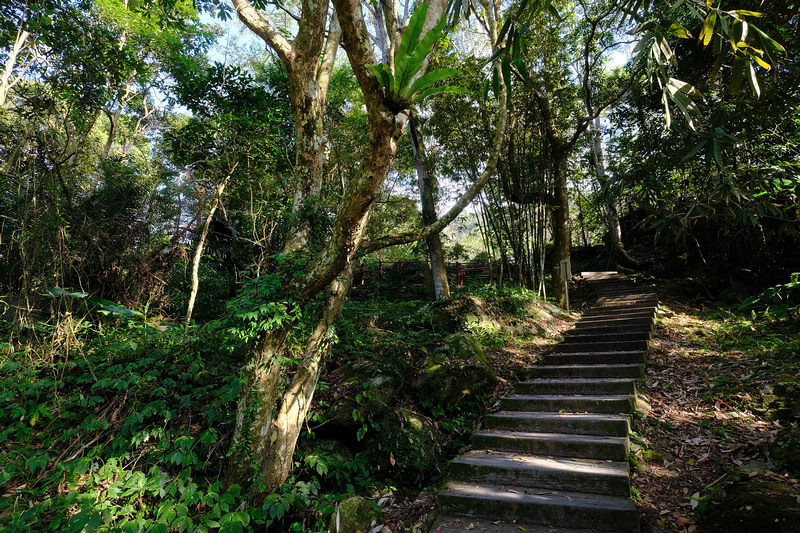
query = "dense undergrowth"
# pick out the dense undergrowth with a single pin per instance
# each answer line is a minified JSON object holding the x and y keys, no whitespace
{"x":119,"y":422}
{"x":115,"y":421}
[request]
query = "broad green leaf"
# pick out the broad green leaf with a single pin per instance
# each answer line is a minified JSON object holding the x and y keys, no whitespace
{"x":423,"y":50}
{"x":384,"y":75}
{"x":428,"y":79}
{"x":405,"y":61}
{"x":411,"y":35}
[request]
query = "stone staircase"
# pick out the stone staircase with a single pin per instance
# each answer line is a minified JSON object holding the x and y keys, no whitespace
{"x":554,"y":455}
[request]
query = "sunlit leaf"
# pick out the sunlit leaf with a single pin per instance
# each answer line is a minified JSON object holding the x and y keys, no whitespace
{"x":679,"y":31}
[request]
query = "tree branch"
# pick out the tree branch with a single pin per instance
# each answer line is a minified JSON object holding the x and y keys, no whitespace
{"x":254,"y":20}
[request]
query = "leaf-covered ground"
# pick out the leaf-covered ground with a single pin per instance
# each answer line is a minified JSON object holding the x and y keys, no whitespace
{"x":705,"y":427}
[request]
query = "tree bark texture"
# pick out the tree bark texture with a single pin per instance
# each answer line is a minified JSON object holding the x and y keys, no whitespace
{"x":267,"y":426}
{"x":562,"y":234}
{"x":428,"y":189}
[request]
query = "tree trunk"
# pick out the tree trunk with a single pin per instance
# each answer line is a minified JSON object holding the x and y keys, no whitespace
{"x":11,"y":61}
{"x":256,"y":409}
{"x":285,"y":430}
{"x":201,"y":244}
{"x":561,"y":227}
{"x":428,"y":189}
{"x":267,"y":426}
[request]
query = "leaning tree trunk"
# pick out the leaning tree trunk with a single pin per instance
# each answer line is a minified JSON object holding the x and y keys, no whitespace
{"x":198,"y":254}
{"x":427,"y":190}
{"x":296,"y":401}
{"x":616,"y":248}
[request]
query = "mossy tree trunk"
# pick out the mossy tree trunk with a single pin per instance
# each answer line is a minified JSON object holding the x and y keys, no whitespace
{"x":268,"y":420}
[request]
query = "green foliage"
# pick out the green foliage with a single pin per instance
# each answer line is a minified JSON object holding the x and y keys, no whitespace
{"x":402,"y":89}
{"x":261,"y":306}
{"x":122,"y":436}
{"x":779,"y":300}
{"x":217,"y":285}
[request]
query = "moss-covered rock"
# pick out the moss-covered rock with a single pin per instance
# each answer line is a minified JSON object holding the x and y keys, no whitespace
{"x":651,"y":455}
{"x":755,"y":504}
{"x":458,"y":373}
{"x":780,"y":401}
{"x":374,"y":398}
{"x":786,"y":448}
{"x":354,"y":515}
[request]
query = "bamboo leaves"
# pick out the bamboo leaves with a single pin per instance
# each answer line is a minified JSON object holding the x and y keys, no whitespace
{"x":405,"y":87}
{"x":728,"y":32}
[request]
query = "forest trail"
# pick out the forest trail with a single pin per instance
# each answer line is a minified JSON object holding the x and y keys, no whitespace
{"x":553,"y":456}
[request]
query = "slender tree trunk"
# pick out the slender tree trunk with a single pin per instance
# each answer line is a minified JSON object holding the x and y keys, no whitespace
{"x":428,"y":188}
{"x":616,"y":248}
{"x":201,"y":245}
{"x":561,"y":227}
{"x":11,"y":61}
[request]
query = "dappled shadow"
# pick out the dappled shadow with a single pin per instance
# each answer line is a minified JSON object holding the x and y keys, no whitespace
{"x":700,"y":432}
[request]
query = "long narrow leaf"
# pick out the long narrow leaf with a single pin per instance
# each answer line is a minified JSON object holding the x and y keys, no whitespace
{"x":411,"y":64}
{"x":699,"y":146}
{"x":717,"y":151}
{"x":737,"y":72}
{"x":412,"y":33}
{"x":383,"y":74}
{"x":753,"y":79}
{"x":708,"y":28}
{"x":428,"y":80}
{"x":505,"y":67}
{"x":437,"y":90}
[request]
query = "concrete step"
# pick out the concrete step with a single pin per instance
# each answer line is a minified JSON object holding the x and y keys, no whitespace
{"x":626,"y":299}
{"x":446,"y":523}
{"x":552,"y":444}
{"x":576,"y":386}
{"x":619,"y":316}
{"x":621,"y":403}
{"x":619,"y":357}
{"x":608,"y":425}
{"x":606,"y":337}
{"x":555,"y":473}
{"x":589,"y":323}
{"x":599,"y":329}
{"x":600,"y":370}
{"x":605,"y":346}
{"x":542,"y":507}
{"x":620,"y":310}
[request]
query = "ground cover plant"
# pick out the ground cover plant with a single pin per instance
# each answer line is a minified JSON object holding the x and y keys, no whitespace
{"x":125,"y":427}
